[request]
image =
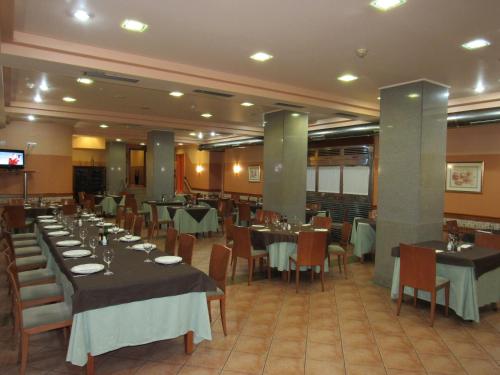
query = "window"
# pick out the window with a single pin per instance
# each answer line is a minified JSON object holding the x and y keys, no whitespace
{"x":311,"y":179}
{"x":329,"y":179}
{"x":356,"y":180}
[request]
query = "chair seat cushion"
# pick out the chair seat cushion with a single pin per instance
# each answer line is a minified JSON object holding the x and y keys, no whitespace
{"x":29,"y":221}
{"x":29,"y":293}
{"x":32,"y":260}
{"x":258,"y":252}
{"x":47,"y":314}
{"x":23,"y":236}
{"x":28,"y":251}
{"x":213,"y":293}
{"x":24,"y":243}
{"x":34,"y":275}
{"x":441,"y":280}
{"x":335,"y":249}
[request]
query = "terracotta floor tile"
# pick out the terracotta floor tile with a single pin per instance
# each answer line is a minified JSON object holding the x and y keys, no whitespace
{"x":356,"y":340}
{"x":282,"y":365}
{"x":291,"y":333}
{"x":445,"y":364}
{"x":258,"y":329}
{"x":288,"y":348}
{"x":365,"y":370}
{"x":466,"y":349}
{"x":389,"y":343}
{"x":209,"y":358}
{"x":493,"y":350}
{"x":323,"y":336}
{"x":247,"y":363}
{"x":401,"y":360}
{"x":324,"y":352}
{"x":429,"y":345}
{"x":158,"y":368}
{"x":368,"y":356}
{"x":193,"y":370}
{"x":315,"y":367}
{"x":119,"y":366}
{"x":478,"y":366}
{"x":251,"y":344}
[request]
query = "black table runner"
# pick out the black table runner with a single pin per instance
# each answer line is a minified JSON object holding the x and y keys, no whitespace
{"x":197,"y":213}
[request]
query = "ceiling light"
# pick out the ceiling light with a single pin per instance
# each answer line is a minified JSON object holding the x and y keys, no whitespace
{"x":81,"y":15}
{"x":142,"y":144}
{"x":134,"y":25}
{"x":247,"y":104}
{"x":37,"y":98}
{"x":347,"y":78}
{"x":85,"y":80}
{"x":206,"y":115}
{"x":200,"y":135}
{"x":180,"y":144}
{"x":236,"y":169}
{"x":199,"y":168}
{"x":413,"y":95}
{"x":69,"y":99}
{"x":378,"y":97}
{"x":212,"y":134}
{"x":261,"y":56}
{"x":479,"y":88}
{"x":386,"y":4}
{"x":192,"y":134}
{"x":475,"y":44}
{"x":295,"y":115}
{"x":104,"y":126}
{"x":43,"y":86}
{"x":118,"y":139}
{"x":31,"y":118}
{"x":177,"y":94}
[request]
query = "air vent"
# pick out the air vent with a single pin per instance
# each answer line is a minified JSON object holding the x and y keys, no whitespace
{"x":289,"y":105}
{"x":214,"y":93}
{"x":104,"y":75}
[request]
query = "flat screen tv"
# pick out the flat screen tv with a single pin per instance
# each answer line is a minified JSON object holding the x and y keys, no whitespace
{"x":11,"y":159}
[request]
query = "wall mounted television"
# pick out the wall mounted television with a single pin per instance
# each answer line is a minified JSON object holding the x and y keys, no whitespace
{"x":11,"y":159}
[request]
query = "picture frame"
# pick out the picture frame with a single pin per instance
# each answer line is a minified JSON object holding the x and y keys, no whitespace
{"x":254,"y":173}
{"x":465,"y":177}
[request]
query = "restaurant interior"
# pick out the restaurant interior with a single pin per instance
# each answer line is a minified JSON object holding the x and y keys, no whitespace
{"x":264,"y":187}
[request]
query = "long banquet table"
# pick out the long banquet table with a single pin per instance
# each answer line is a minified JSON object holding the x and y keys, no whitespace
{"x":140,"y":303}
{"x":474,"y":275}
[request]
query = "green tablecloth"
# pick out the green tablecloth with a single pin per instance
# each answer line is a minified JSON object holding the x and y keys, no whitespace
{"x":467,"y":294}
{"x":362,"y":237}
{"x":102,"y":330}
{"x":279,"y":253}
{"x":109,"y":205}
{"x":163,"y":214}
{"x":185,"y":223}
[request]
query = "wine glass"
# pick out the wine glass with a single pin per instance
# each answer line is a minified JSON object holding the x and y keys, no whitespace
{"x":71,"y":228}
{"x":107,"y":256}
{"x":93,"y":244}
{"x":115,"y":230}
{"x":147,"y":248}
{"x":83,"y":235}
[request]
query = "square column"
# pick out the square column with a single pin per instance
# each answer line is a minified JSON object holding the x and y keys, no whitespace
{"x":160,"y":164}
{"x":412,"y":166}
{"x":285,"y":163}
{"x":116,"y":167}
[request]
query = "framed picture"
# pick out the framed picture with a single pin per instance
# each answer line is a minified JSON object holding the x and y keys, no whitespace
{"x":465,"y":177}
{"x":254,"y":173}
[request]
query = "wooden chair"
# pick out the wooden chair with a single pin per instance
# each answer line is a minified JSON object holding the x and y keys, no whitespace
{"x":69,"y":209}
{"x":170,"y":240}
{"x":228,"y":229}
{"x":244,"y":213}
{"x":138,"y":223}
{"x":242,"y":248}
{"x":259,"y":216}
{"x":15,"y":217}
{"x":68,"y":201}
{"x":129,"y":220}
{"x":324,"y":222}
{"x":219,"y":260}
{"x":21,"y":248}
{"x":340,"y":249}
{"x":310,"y":252}
{"x":485,"y":239}
{"x":120,"y":216}
{"x":155,"y":223}
{"x":418,"y":270}
{"x":89,"y":204}
{"x":81,"y":197}
{"x":452,"y":227}
{"x":272,"y":216}
{"x":185,"y":249}
{"x":39,"y":319}
{"x":16,"y":201}
{"x":26,"y":263}
{"x":32,"y":277}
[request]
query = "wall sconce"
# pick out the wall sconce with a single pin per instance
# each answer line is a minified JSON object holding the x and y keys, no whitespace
{"x":236,"y":169}
{"x":199,"y":168}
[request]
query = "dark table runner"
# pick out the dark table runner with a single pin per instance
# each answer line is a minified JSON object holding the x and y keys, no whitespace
{"x":260,"y":240}
{"x":133,"y":280}
{"x":98,"y":198}
{"x":166,"y":203}
{"x":33,"y":212}
{"x":482,"y":259}
{"x":197,"y":213}
{"x":210,"y":201}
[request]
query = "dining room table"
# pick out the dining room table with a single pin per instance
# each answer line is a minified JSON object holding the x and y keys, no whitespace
{"x":363,"y":234}
{"x":211,"y":202}
{"x":473,"y":271}
{"x":141,"y":302}
{"x":109,"y":203}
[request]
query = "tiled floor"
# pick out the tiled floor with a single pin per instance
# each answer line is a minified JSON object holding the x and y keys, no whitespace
{"x":351,"y":328}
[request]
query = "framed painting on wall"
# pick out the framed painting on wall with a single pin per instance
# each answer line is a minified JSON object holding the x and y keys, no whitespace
{"x":466,"y":177}
{"x":254,"y":173}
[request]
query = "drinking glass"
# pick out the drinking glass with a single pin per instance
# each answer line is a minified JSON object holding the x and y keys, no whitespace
{"x":83,"y":235}
{"x":115,"y":230}
{"x":147,"y":248}
{"x":93,"y":244}
{"x":107,"y":256}
{"x":71,"y":228}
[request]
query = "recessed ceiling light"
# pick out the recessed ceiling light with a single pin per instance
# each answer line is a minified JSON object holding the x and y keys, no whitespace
{"x":206,"y":115}
{"x":295,"y":115}
{"x":212,"y":134}
{"x":192,"y":134}
{"x":85,"y":80}
{"x":479,"y":88}
{"x":413,"y":95}
{"x":69,"y":99}
{"x":118,"y":139}
{"x":177,"y":94}
{"x":134,"y":25}
{"x":37,"y":98}
{"x":200,"y":135}
{"x":104,"y":126}
{"x":31,"y":118}
{"x":386,"y":4}
{"x":347,"y":78}
{"x":142,"y":144}
{"x":247,"y":104}
{"x":81,"y":15}
{"x":261,"y":56}
{"x":378,"y":97}
{"x":476,"y":43}
{"x":180,"y":144}
{"x":43,"y":86}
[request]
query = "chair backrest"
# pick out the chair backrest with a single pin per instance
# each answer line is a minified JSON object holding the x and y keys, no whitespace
{"x":452,"y":227}
{"x":131,"y":203}
{"x":120,"y":216}
{"x":16,"y":201}
{"x":89,"y":204}
{"x":259,"y":216}
{"x":488,"y":240}
{"x":228,"y":228}
{"x":69,"y":209}
{"x":185,"y":249}
{"x":244,"y":211}
{"x":324,"y":222}
{"x":242,"y":245}
{"x":138,"y":223}
{"x":345,"y":233}
{"x":154,"y":213}
{"x":311,"y":248}
{"x":417,"y":267}
{"x":219,"y":260}
{"x":272,"y":216}
{"x":129,"y":220}
{"x":67,"y":201}
{"x":81,"y":197}
{"x":16,"y":298}
{"x":170,"y":240}
{"x":15,"y":217}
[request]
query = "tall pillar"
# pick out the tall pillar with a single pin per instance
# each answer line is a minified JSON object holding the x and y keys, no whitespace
{"x":160,"y":162}
{"x":116,"y":167}
{"x":412,"y":165}
{"x":285,"y":163}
